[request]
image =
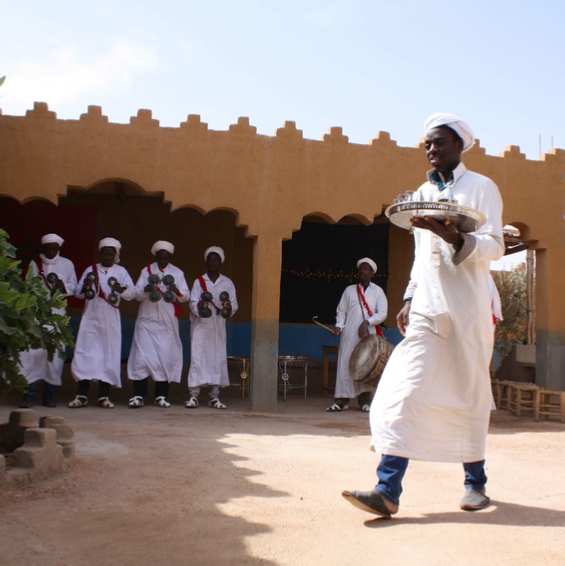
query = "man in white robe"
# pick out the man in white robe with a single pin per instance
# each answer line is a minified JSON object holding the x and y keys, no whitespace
{"x":361,"y":309}
{"x":208,"y":357}
{"x":98,"y":349}
{"x":156,"y":348}
{"x":434,"y":398}
{"x":34,"y":364}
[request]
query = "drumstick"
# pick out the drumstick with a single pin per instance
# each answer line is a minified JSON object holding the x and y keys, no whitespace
{"x":320,"y":324}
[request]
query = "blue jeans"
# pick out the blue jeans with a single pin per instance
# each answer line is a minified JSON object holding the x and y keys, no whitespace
{"x":391,"y":471}
{"x":48,"y":390}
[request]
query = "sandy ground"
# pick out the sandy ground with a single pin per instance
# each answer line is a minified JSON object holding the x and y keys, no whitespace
{"x":229,"y":487}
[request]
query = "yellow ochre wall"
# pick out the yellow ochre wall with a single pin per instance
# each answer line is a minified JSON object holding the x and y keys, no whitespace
{"x":270,"y":184}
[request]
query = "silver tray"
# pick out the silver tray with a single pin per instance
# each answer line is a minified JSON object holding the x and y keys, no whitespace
{"x":465,"y":219}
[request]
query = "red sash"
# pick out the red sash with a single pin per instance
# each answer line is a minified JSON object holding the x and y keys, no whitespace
{"x":205,"y":289}
{"x":39,"y":263}
{"x":378,"y":329}
{"x":178,"y":308}
{"x":99,"y":287}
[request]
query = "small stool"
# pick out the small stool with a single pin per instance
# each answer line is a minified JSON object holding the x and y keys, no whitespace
{"x":550,"y":403}
{"x":501,"y":394}
{"x":522,"y":397}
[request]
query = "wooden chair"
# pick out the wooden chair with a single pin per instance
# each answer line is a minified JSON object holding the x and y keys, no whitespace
{"x":550,"y":404}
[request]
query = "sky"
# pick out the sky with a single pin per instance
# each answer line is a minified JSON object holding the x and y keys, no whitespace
{"x":364,"y":65}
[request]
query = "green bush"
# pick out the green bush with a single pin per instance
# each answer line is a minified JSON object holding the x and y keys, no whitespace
{"x":27,"y":320}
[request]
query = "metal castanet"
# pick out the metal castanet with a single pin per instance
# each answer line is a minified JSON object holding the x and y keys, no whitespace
{"x":205,"y":312}
{"x":226,"y":311}
{"x":113,"y":297}
{"x":52,"y":278}
{"x":91,"y":278}
{"x":154,"y":296}
{"x":369,"y":358}
{"x":168,"y":295}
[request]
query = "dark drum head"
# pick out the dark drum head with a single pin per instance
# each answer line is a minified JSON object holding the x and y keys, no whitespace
{"x":52,"y":278}
{"x":168,"y":280}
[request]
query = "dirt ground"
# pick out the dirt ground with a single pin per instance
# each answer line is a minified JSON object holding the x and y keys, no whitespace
{"x":178,"y":486}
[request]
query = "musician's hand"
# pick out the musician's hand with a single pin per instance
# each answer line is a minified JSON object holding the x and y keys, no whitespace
{"x":173,"y":289}
{"x":148,"y":288}
{"x":227,"y":305}
{"x":363,"y":329}
{"x":403,"y":318}
{"x":446,"y":231}
{"x":60,"y":285}
{"x":118,"y":288}
{"x":201,"y":304}
{"x":336,"y":331}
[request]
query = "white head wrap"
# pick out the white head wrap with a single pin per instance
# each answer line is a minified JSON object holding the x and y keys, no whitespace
{"x":369,"y":261}
{"x":52,"y":239}
{"x":111,"y":243}
{"x":162,"y":245}
{"x":215,"y":250}
{"x":455,"y":123}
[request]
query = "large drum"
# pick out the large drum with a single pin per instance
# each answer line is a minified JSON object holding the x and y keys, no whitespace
{"x":369,"y":358}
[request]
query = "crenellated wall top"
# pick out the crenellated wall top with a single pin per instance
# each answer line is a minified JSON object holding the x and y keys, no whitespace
{"x":270,"y":182}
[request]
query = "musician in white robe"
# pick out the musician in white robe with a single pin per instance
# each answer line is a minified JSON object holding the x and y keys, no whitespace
{"x":34,"y":364}
{"x":361,"y":309}
{"x":97,"y":354}
{"x":208,"y":358}
{"x":156,"y":348}
{"x":434,"y":398}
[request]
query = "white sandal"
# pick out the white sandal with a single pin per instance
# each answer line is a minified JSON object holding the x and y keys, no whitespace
{"x":136,"y":402}
{"x":162,"y":402}
{"x":335,"y":408}
{"x":78,"y":401}
{"x":365,"y":408}
{"x":192,"y":403}
{"x":216,"y":404}
{"x":105,"y":403}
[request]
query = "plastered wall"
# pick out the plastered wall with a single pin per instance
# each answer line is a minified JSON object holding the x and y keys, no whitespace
{"x":269,"y":184}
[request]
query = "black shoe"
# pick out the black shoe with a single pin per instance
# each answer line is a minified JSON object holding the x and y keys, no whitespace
{"x":371,"y":501}
{"x":27,"y":402}
{"x":49,"y":402}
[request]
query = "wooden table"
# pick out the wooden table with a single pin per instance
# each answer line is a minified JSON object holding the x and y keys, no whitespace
{"x":328,"y":351}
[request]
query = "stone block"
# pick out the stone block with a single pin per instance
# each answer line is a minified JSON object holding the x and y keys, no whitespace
{"x":46,"y":422}
{"x":40,"y":452}
{"x":64,"y":432}
{"x":69,"y":452}
{"x":23,"y":417}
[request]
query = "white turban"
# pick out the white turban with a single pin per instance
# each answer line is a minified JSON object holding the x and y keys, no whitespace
{"x":111,"y":243}
{"x":215,"y":250}
{"x":455,"y":123}
{"x":162,"y":245}
{"x":369,"y":261}
{"x":52,"y":239}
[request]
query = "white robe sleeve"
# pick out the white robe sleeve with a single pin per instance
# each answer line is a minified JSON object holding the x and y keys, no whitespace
{"x":381,"y":309}
{"x":195,"y":297}
{"x":341,"y":314}
{"x":126,"y":281}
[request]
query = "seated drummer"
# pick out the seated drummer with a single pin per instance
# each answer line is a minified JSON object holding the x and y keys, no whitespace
{"x":361,"y":309}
